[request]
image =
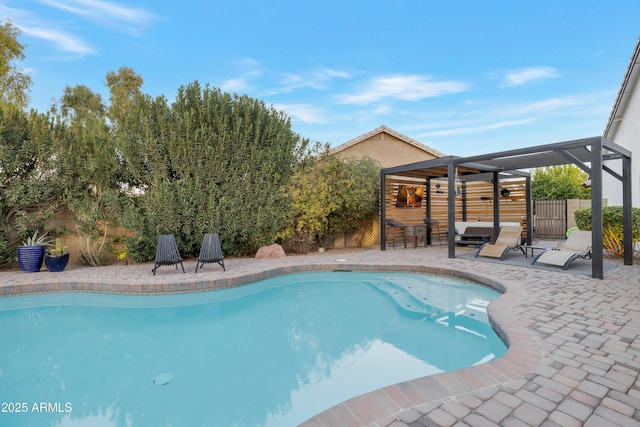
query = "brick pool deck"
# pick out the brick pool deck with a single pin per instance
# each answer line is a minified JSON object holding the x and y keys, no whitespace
{"x":574,"y":341}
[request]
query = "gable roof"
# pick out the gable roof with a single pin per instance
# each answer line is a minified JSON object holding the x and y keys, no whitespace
{"x":391,"y":132}
{"x":628,"y":84}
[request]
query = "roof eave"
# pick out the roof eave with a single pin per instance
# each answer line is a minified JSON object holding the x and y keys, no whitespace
{"x":624,"y":93}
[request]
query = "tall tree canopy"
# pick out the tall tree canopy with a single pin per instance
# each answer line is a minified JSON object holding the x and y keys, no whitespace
{"x":14,"y":82}
{"x":123,"y":87}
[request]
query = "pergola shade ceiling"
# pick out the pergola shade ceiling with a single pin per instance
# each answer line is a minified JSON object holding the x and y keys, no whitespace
{"x":512,"y":162}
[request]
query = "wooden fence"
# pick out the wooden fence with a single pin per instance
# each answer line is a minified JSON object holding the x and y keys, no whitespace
{"x":474,"y":204}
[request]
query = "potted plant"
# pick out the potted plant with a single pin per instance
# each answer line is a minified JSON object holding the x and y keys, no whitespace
{"x":31,"y":253}
{"x":57,"y":259}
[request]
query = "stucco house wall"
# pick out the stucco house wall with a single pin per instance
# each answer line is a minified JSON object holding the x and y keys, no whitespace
{"x":623,"y":129}
{"x":388,"y":147}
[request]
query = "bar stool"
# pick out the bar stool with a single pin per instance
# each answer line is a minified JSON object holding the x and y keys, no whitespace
{"x":395,"y":225}
{"x":430,"y":224}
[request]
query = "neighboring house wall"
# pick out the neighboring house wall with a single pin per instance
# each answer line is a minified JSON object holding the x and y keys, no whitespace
{"x":390,"y":148}
{"x":623,"y":129}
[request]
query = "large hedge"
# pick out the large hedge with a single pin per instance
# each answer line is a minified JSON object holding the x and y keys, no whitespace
{"x":209,"y":162}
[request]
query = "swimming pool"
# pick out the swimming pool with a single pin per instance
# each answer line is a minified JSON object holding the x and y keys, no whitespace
{"x":272,"y":353}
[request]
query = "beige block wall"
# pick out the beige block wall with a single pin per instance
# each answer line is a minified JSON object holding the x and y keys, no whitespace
{"x":65,"y":223}
{"x":575,"y":204}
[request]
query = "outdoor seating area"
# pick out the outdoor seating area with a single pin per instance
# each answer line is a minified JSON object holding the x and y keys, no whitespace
{"x":428,"y":180}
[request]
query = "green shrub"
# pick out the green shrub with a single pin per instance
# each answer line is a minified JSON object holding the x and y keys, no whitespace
{"x":330,"y":197}
{"x":612,"y":237}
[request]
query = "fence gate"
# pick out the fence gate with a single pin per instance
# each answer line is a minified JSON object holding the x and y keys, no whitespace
{"x":549,"y":219}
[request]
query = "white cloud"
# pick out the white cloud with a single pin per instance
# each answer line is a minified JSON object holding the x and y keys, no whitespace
{"x":235,"y":85}
{"x":404,"y":87}
{"x":128,"y":19}
{"x":521,"y":77}
{"x":63,"y":41}
{"x":476,"y":129}
{"x":328,"y":73}
{"x":551,"y":104}
{"x":304,"y":112}
{"x":317,"y":79}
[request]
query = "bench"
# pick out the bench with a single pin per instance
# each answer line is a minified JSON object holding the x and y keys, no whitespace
{"x":461,"y":226}
{"x":475,"y":236}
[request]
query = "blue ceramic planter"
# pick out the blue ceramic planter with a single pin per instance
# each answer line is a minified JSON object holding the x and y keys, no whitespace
{"x":56,"y":263}
{"x":30,"y":258}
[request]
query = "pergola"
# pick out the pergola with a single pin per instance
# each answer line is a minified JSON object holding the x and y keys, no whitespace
{"x":589,"y":154}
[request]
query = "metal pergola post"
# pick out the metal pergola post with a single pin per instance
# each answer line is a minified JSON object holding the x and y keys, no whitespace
{"x":627,"y":214}
{"x":596,"y":210}
{"x":451,"y":209}
{"x":529,"y":210}
{"x":383,"y":210}
{"x":496,"y":206}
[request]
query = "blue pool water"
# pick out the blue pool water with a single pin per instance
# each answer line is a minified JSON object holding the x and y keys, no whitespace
{"x":273,"y":353}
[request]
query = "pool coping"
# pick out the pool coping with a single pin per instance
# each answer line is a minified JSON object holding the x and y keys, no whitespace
{"x":379,"y":407}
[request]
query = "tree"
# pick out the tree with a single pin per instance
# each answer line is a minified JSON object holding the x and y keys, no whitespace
{"x":123,"y":87}
{"x":559,"y":183}
{"x":91,"y":169}
{"x":14,"y":83}
{"x":331,"y":197}
{"x":80,"y":103}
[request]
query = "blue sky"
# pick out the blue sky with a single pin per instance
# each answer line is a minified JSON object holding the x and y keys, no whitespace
{"x":463,"y":77}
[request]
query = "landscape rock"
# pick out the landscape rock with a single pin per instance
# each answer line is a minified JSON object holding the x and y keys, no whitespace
{"x":271,"y":252}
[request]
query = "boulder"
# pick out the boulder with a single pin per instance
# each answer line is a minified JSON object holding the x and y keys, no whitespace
{"x":270,"y":252}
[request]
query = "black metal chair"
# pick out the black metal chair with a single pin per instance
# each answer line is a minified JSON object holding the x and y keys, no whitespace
{"x":167,"y":253}
{"x":210,"y":251}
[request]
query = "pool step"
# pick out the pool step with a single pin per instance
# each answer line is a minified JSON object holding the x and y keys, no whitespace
{"x":432,"y":303}
{"x":405,"y":300}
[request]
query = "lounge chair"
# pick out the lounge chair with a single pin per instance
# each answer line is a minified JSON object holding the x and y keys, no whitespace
{"x":508,"y":240}
{"x":167,"y":253}
{"x":210,"y":251}
{"x":577,"y":245}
